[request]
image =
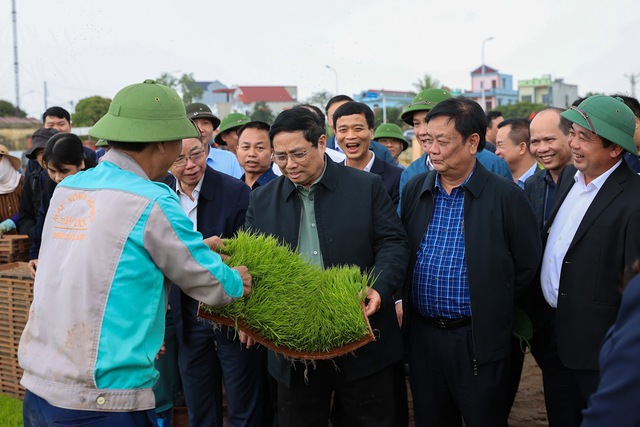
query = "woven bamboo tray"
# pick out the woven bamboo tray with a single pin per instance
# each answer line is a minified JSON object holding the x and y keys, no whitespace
{"x":16,"y":295}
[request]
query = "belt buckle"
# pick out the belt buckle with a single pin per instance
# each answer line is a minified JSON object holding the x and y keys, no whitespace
{"x":440,"y":323}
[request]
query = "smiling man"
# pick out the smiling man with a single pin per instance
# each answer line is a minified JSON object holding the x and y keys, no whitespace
{"x":512,"y":145}
{"x":550,"y":146}
{"x":299,"y":208}
{"x":592,"y":240}
{"x":354,"y":122}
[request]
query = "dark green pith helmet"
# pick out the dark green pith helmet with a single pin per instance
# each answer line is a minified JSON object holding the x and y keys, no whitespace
{"x":230,"y":121}
{"x":145,"y":112}
{"x":390,"y":130}
{"x":425,"y":100}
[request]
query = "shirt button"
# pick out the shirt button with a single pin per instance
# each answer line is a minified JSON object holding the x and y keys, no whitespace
{"x":311,"y":199}
{"x":315,"y":252}
{"x":101,"y":400}
{"x":313,"y":224}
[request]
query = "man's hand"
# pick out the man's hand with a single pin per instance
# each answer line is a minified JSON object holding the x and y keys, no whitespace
{"x":399,"y":312}
{"x":246,"y":340}
{"x":246,"y":279}
{"x":215,"y":243}
{"x":372,"y":302}
{"x":33,"y":266}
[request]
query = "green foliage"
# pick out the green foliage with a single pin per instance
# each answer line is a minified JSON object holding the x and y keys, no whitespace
{"x":520,"y":109}
{"x":293,"y":304}
{"x":90,"y":110}
{"x":10,"y":411}
{"x":393,"y":116}
{"x":184,"y":84}
{"x":7,"y":109}
{"x":262,"y":112}
{"x":427,"y":82}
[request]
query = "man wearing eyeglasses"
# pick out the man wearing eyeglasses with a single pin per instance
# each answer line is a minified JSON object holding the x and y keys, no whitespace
{"x":300,"y":209}
{"x":592,"y":240}
{"x":216,"y":204}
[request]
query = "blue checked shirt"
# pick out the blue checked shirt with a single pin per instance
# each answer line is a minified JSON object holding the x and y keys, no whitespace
{"x":440,"y":283}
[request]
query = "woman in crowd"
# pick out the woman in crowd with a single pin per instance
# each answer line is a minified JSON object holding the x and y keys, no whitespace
{"x":10,"y":190}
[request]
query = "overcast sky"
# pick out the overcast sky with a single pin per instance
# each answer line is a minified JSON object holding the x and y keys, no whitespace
{"x":83,"y":48}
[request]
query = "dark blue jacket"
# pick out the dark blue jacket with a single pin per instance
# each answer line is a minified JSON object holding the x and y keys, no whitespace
{"x":222,"y":206}
{"x":498,"y":220}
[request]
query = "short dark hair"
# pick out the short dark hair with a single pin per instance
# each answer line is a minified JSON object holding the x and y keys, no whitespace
{"x":135,"y":147}
{"x":519,"y":131}
{"x":353,"y":107}
{"x":316,"y":110}
{"x":65,"y":149}
{"x":577,"y":102}
{"x":468,"y":117}
{"x":564,"y":125}
{"x":491,"y":115}
{"x":295,"y":120}
{"x":255,"y":124}
{"x":56,"y":112}
{"x":630,"y":102}
{"x":337,"y":98}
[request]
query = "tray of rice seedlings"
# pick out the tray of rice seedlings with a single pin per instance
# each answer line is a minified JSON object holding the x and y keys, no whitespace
{"x":295,"y":308}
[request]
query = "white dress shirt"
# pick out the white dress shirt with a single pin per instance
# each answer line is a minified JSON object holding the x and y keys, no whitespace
{"x":190,"y":207}
{"x":563,"y":230}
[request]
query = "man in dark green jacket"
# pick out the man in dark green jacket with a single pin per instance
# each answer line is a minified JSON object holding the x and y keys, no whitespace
{"x":300,"y":209}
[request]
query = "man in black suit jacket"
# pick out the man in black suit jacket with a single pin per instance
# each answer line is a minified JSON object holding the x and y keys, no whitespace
{"x":354,"y":122}
{"x":592,"y":239}
{"x":334,"y":215}
{"x":217,"y":204}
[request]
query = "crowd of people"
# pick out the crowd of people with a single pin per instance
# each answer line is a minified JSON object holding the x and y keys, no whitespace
{"x":537,"y":219}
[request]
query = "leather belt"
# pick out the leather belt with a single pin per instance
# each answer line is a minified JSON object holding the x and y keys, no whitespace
{"x":443,"y":323}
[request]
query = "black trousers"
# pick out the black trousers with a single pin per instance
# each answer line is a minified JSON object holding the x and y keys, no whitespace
{"x":307,"y":402}
{"x":445,"y":384}
{"x":566,"y":391}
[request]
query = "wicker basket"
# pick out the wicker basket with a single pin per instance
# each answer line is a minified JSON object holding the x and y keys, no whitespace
{"x":14,"y":248}
{"x":16,"y":295}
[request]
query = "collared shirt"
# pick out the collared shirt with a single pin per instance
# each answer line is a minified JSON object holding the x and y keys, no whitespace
{"x":190,"y":207}
{"x":440,"y":282}
{"x":533,"y":169}
{"x":564,"y":228}
{"x":266,"y":177}
{"x":370,"y":164}
{"x":225,"y":162}
{"x":308,"y":240}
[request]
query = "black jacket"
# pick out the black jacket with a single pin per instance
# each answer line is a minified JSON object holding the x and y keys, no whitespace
{"x":357,"y":225}
{"x":502,"y":245}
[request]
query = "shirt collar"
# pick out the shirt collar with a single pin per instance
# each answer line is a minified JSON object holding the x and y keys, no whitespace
{"x":597,"y":182}
{"x":196,"y":191}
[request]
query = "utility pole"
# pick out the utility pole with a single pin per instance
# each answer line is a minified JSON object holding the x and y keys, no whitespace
{"x":15,"y":55}
{"x":632,"y":79}
{"x":46,"y":95}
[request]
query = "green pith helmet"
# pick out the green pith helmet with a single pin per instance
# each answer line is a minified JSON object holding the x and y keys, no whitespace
{"x":145,"y":112}
{"x":230,"y":121}
{"x":390,"y":130}
{"x":425,"y":100}
{"x":198,"y":110}
{"x":607,"y":117}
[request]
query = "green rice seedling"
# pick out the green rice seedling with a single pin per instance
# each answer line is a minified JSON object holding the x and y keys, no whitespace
{"x":293,"y":304}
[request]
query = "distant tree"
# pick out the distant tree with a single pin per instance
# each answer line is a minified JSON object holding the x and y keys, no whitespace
{"x":427,"y":82}
{"x":7,"y":109}
{"x":319,"y":98}
{"x":393,"y":116}
{"x":185,"y":84}
{"x":90,"y":110}
{"x":262,"y":112}
{"x":520,"y":109}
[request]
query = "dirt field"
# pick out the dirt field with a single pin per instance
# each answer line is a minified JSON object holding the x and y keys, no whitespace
{"x":528,"y":409}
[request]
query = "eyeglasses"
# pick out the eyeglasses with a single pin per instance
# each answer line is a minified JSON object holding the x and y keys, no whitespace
{"x":585,"y":116}
{"x":182,"y":160}
{"x":281,"y":158}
